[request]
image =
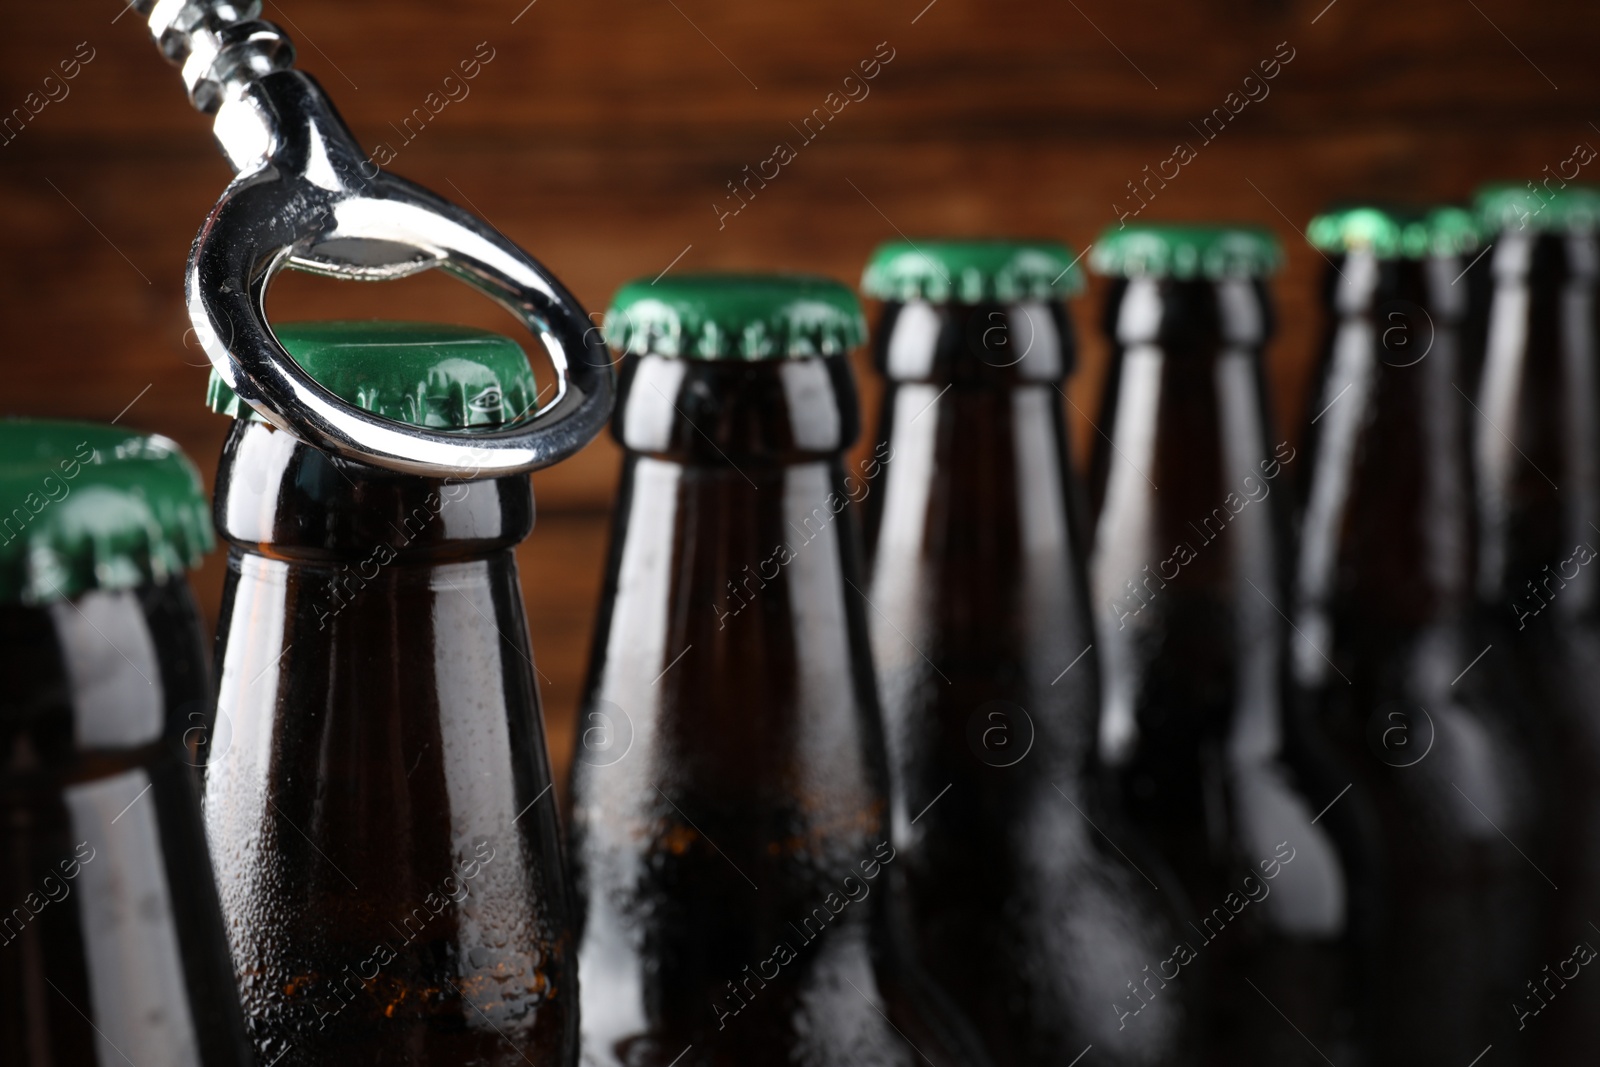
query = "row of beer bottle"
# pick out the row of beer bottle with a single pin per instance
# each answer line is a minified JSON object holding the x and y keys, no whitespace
{"x":1334,"y":829}
{"x":800,"y":791}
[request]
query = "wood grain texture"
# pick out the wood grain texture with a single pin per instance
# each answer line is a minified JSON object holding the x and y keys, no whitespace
{"x":602,"y":135}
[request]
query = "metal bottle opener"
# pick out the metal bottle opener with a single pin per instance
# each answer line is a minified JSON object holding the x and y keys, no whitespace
{"x":306,"y":196}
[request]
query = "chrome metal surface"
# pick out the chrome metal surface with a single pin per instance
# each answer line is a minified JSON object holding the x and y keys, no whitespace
{"x":307,"y":197}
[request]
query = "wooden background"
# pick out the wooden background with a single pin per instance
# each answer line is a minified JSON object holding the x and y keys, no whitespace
{"x":602,"y":132}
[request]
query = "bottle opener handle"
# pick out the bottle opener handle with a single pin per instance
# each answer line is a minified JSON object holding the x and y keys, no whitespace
{"x":306,"y":196}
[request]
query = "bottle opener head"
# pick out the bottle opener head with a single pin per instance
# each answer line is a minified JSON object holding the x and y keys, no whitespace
{"x":307,"y":197}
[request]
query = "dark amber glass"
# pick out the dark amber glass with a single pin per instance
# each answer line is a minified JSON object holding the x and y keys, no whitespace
{"x":385,"y":836}
{"x":1400,"y":673}
{"x":1187,"y":582}
{"x":730,"y":829}
{"x":1030,"y":900}
{"x":1538,"y":460}
{"x":111,"y":943}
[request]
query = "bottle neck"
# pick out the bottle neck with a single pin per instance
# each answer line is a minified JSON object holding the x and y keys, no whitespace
{"x":744,"y":805}
{"x":279,"y":497}
{"x":374,"y":668}
{"x":1187,"y":548}
{"x":1387,"y":537}
{"x":1537,"y":434}
{"x":108,"y":680}
{"x":1183,"y":419}
{"x":736,"y":412}
{"x":731,"y":645}
{"x":975,"y":560}
{"x":733,"y":626}
{"x":977,"y":345}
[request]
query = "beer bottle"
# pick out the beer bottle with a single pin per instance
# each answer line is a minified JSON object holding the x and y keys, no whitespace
{"x":1537,"y":429}
{"x":111,"y":941}
{"x":1393,"y":661}
{"x":386,"y":846}
{"x":1188,"y":579}
{"x":730,"y":832}
{"x":1024,"y":901}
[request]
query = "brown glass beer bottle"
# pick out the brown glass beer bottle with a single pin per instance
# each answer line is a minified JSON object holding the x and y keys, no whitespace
{"x":1537,"y":450}
{"x":1188,"y":583}
{"x":111,"y":941}
{"x":1394,"y":665}
{"x":1024,"y":900}
{"x":730,"y":832}
{"x":386,"y":841}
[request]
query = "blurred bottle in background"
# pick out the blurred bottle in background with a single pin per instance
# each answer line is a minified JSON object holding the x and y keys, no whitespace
{"x":1021,"y":905}
{"x":1537,"y":451}
{"x":1188,"y":584}
{"x":111,"y":941}
{"x":1392,"y":661}
{"x":385,"y":831}
{"x":730,"y":825}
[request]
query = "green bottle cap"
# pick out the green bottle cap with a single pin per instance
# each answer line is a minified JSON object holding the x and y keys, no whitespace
{"x":1507,"y":206}
{"x":735,"y":316}
{"x":1393,"y":232}
{"x":422,"y":373}
{"x":87,"y":507}
{"x":1185,"y":251}
{"x":972,"y":271}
